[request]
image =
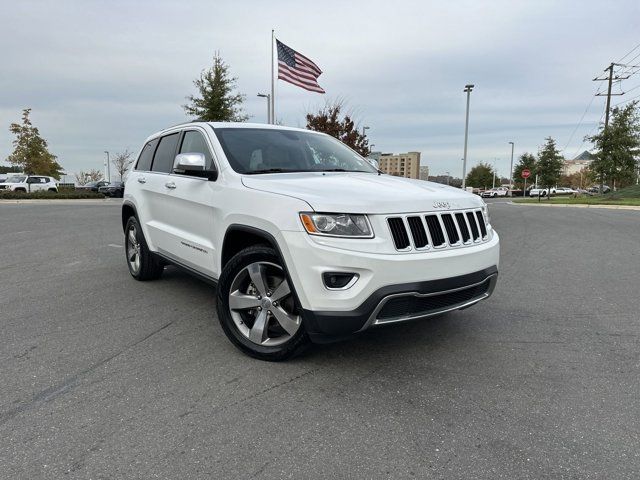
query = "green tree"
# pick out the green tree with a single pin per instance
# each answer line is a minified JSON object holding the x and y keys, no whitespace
{"x":617,"y":147}
{"x":480,"y":176}
{"x":30,"y":152}
{"x":330,"y":120}
{"x":217,"y":101}
{"x":549,"y":164}
{"x":526,"y":161}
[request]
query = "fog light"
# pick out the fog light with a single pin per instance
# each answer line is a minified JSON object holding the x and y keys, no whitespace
{"x":339,"y":280}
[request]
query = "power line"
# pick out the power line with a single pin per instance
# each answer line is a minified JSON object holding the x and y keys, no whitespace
{"x":629,"y":52}
{"x":628,"y":100}
{"x":593,"y":97}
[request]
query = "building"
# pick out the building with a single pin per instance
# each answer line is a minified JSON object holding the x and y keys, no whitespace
{"x":424,"y":173}
{"x":579,"y":163}
{"x":401,"y":165}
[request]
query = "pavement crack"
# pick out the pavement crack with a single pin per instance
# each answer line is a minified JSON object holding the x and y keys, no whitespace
{"x":51,"y":393}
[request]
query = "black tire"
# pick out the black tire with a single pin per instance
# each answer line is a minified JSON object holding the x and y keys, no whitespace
{"x":294,"y":345}
{"x":150,"y":267}
{"x":53,"y":190}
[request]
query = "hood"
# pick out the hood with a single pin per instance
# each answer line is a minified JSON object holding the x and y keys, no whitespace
{"x":355,"y":192}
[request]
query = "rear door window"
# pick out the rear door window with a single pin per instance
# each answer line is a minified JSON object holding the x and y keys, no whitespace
{"x":165,"y":154}
{"x":144,"y":160}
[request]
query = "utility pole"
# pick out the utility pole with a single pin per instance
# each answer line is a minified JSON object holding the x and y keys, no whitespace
{"x":494,"y":173}
{"x":108,"y":170}
{"x":609,"y":78}
{"x":467,"y":89}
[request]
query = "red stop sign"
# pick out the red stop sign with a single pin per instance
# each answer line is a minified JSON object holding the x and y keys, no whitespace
{"x":526,"y":173}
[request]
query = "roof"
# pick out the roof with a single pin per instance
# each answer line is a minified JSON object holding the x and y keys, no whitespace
{"x":585,"y":156}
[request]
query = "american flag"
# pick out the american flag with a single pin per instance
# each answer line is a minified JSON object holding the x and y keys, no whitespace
{"x":293,"y":67}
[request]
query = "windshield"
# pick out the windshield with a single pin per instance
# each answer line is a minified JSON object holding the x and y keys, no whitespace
{"x":261,"y":150}
{"x":15,"y":179}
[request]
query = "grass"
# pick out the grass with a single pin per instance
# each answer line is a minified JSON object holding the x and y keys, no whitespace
{"x":63,"y":195}
{"x":625,"y":196}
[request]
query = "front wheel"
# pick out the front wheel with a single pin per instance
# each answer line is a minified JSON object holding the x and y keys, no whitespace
{"x":257,"y":307}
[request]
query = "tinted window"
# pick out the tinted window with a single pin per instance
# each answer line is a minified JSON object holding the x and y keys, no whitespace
{"x":144,"y":160}
{"x":165,"y":154}
{"x":194,"y":142}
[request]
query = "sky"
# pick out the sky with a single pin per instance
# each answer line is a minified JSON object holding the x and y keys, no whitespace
{"x":103,"y":75}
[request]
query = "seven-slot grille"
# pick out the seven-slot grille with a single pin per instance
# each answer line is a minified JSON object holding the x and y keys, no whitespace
{"x":438,"y":230}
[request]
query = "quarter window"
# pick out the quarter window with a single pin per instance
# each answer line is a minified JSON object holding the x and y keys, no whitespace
{"x":194,"y":142}
{"x":144,"y":160}
{"x":165,"y":154}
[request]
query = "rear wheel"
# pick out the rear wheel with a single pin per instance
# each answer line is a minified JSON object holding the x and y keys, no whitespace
{"x":143,"y":264}
{"x":257,"y":307}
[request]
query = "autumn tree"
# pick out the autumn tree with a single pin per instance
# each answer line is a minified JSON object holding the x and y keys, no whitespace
{"x":549,"y":164}
{"x":30,"y":152}
{"x":122,"y":161}
{"x":480,"y":176}
{"x":83,"y":177}
{"x":331,"y":121}
{"x":617,"y":146}
{"x":217,"y":101}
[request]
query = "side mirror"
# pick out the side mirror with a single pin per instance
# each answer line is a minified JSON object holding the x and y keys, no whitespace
{"x":193,"y":164}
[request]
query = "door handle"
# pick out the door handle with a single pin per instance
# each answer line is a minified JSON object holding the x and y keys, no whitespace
{"x":142,"y":180}
{"x":170,"y":185}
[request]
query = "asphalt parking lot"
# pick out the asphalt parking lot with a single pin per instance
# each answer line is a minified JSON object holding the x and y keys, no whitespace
{"x":105,"y":377}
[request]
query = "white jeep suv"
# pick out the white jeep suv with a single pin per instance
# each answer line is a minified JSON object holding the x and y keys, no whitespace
{"x":29,"y":183}
{"x":305,"y":240}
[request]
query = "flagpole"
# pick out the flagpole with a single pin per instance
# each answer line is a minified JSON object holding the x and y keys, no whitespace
{"x":272,"y":120}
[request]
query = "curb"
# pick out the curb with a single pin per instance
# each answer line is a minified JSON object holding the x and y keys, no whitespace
{"x":580,"y":205}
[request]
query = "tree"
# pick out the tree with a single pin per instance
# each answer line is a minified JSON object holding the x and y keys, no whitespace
{"x":549,"y":164}
{"x":84,"y":177}
{"x":330,"y":121}
{"x":217,"y":102}
{"x":122,"y":161}
{"x":526,"y":161}
{"x":30,"y":152}
{"x":480,"y":176}
{"x":617,"y":146}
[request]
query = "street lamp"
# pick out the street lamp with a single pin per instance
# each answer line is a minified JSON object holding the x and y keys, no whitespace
{"x":467,"y":89}
{"x":511,"y":171}
{"x":108,"y":171}
{"x":494,"y":172}
{"x":364,"y":129}
{"x":268,"y":97}
{"x":448,"y":175}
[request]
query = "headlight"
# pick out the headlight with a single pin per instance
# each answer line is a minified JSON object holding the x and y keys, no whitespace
{"x":485,"y":212}
{"x":337,"y":224}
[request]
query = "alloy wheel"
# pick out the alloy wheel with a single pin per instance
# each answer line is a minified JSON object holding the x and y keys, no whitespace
{"x":262,"y":306}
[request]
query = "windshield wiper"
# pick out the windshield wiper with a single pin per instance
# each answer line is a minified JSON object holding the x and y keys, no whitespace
{"x":269,"y":170}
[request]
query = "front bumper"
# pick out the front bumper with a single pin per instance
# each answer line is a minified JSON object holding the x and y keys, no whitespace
{"x":403,"y":302}
{"x":390,"y":287}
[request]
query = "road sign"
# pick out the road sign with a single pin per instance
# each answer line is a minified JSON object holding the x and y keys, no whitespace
{"x":526,"y":173}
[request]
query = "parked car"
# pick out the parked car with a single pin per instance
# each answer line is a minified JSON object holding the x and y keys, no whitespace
{"x":495,"y":192}
{"x":596,"y":189}
{"x":541,"y":192}
{"x":93,"y":186}
{"x":268,"y":213}
{"x":565,"y":191}
{"x":29,"y":183}
{"x":113,"y":189}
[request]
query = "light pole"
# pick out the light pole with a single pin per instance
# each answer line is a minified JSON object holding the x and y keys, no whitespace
{"x":268,"y":97}
{"x":108,"y":172}
{"x":364,"y":129}
{"x":467,"y":89}
{"x":494,"y":173}
{"x":448,"y":175}
{"x":511,"y":171}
